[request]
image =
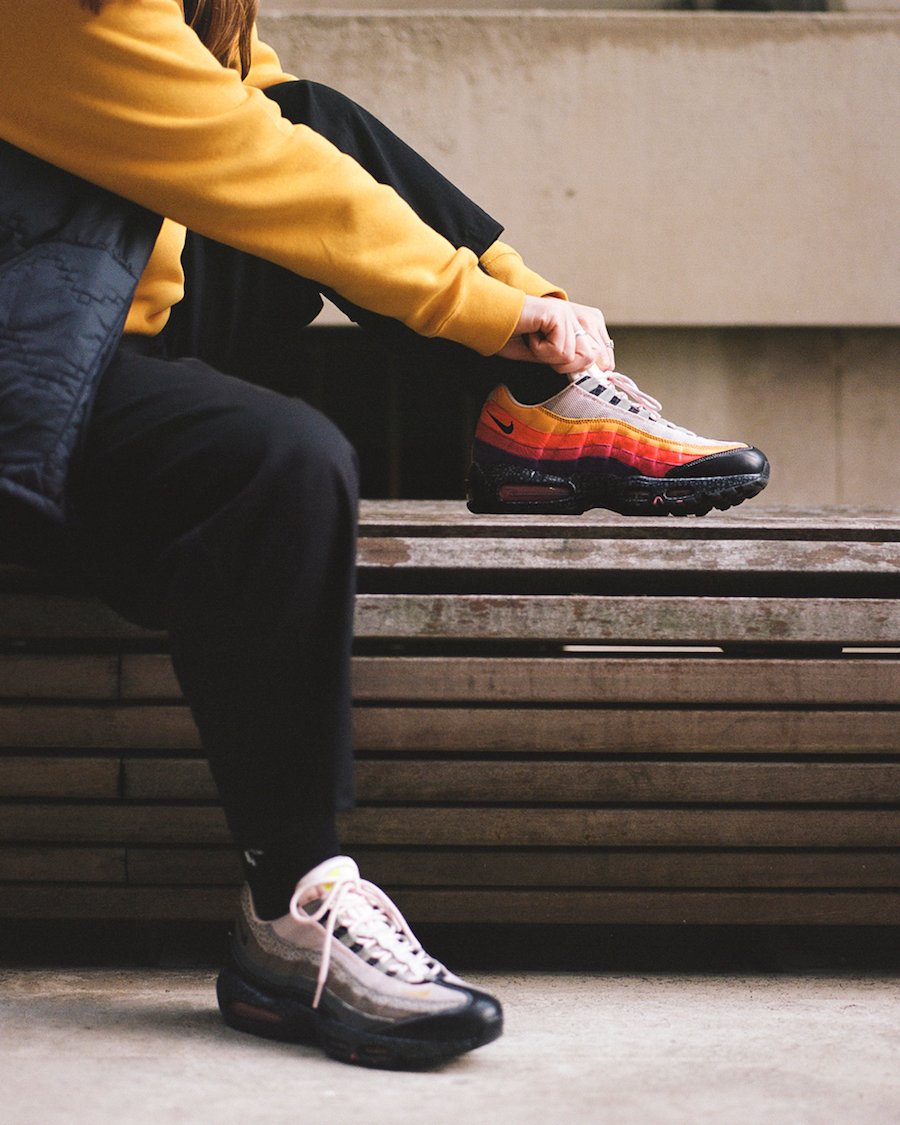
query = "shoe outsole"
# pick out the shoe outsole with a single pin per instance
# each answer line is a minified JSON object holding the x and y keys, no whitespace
{"x":250,"y":1007}
{"x":629,"y":496}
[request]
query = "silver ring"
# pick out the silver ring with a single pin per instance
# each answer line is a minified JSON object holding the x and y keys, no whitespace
{"x":581,"y":332}
{"x":610,"y":344}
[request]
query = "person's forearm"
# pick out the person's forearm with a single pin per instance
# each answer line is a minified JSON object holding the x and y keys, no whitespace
{"x":131,"y":100}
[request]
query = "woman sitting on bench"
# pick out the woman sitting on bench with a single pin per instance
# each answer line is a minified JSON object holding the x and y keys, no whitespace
{"x":193,"y":499}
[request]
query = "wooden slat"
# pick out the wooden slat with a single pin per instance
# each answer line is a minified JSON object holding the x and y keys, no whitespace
{"x":647,"y":620}
{"x":58,"y":676}
{"x":62,"y":865}
{"x":635,"y":731}
{"x":655,"y":680}
{"x":174,"y":779}
{"x":184,"y":866}
{"x":614,"y":907}
{"x":113,"y":824}
{"x":99,"y":727}
{"x":448,"y":729}
{"x":452,"y":518}
{"x":722,"y":556}
{"x":149,"y":675}
{"x":633,"y":907}
{"x":794,"y":828}
{"x":575,"y":618}
{"x":543,"y":782}
{"x":607,"y":827}
{"x":212,"y":904}
{"x":46,"y":776}
{"x":577,"y":679}
{"x":553,"y":867}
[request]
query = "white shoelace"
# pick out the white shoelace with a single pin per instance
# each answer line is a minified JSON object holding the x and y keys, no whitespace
{"x":373,"y":922}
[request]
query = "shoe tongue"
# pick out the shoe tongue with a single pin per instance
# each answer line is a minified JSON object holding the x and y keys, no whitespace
{"x":329,"y":872}
{"x":588,"y":378}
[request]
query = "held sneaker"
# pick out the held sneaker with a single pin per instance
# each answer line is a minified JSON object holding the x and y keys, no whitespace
{"x":601,"y":443}
{"x":344,"y":970}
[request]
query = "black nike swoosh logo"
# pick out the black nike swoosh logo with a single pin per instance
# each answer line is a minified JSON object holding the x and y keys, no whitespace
{"x":506,"y":427}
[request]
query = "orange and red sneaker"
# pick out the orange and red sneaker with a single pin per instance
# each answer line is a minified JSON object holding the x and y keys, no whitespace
{"x":601,"y":443}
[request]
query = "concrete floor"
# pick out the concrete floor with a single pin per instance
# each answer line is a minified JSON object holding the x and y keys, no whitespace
{"x":135,"y":1046}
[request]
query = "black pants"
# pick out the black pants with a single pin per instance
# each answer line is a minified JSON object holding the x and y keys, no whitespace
{"x":225,"y":512}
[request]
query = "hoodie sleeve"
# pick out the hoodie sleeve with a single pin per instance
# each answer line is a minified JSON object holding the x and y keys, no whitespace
{"x":131,"y":100}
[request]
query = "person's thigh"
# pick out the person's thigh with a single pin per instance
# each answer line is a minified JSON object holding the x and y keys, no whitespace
{"x":177,"y":453}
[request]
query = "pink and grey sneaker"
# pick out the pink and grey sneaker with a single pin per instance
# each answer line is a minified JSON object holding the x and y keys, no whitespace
{"x":602,"y":443}
{"x":343,"y":969}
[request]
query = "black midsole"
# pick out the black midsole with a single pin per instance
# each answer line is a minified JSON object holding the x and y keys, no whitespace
{"x":493,"y":488}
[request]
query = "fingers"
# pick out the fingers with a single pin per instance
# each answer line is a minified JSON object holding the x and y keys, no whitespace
{"x":596,"y":340}
{"x":565,"y":336}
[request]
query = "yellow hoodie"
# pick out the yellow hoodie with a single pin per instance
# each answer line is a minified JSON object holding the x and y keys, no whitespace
{"x":130,"y":99}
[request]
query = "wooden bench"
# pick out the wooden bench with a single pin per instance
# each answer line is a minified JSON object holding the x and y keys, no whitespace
{"x":616,"y":720}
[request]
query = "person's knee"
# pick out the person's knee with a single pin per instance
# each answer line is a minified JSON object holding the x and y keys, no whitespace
{"x":310,"y":452}
{"x":311,"y":103}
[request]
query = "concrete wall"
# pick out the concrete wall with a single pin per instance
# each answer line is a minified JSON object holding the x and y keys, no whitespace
{"x":824,"y":405}
{"x":695,"y":168}
{"x":691,"y":173}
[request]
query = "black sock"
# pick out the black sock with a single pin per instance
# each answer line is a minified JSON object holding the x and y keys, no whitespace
{"x":274,"y":868}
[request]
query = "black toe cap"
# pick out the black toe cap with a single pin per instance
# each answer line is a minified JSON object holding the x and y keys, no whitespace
{"x":742,"y":462}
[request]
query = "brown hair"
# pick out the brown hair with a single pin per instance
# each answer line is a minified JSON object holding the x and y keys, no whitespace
{"x":225,"y":26}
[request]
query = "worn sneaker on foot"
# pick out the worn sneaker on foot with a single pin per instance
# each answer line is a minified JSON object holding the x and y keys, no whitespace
{"x":344,"y":970}
{"x":601,"y":443}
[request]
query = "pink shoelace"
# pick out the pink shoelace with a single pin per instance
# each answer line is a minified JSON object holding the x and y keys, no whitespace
{"x":632,"y":391}
{"x":372,"y":921}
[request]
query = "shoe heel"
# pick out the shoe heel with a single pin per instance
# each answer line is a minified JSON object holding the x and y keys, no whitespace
{"x":245,"y":1007}
{"x":492,"y":491}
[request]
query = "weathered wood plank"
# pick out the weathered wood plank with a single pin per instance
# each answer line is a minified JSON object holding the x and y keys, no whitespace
{"x":553,"y":867}
{"x":149,"y":675}
{"x":647,"y":620}
{"x":635,"y":731}
{"x":630,"y":827}
{"x":606,"y":827}
{"x":112,"y":824}
{"x":213,"y":904}
{"x":59,"y":676}
{"x":449,"y":729}
{"x":102,"y":727}
{"x":571,"y":679}
{"x":541,"y":782}
{"x":613,"y":907}
{"x":722,"y":556}
{"x":627,"y":907}
{"x":184,"y":866}
{"x":564,"y":618}
{"x":451,"y":517}
{"x":617,"y":679}
{"x":62,"y":865}
{"x":48,"y":776}
{"x":559,"y":867}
